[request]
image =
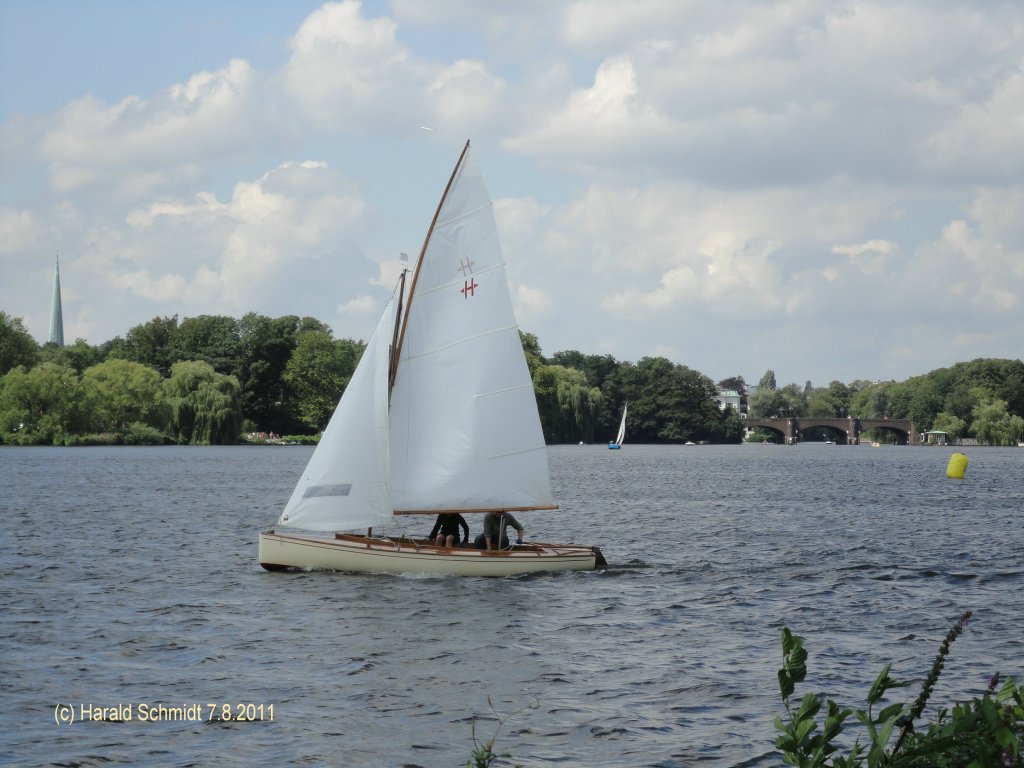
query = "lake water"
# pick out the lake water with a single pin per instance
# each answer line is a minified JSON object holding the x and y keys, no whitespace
{"x":130,"y":580}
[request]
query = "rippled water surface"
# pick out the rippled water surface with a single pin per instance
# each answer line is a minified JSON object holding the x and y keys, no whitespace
{"x":130,"y":578}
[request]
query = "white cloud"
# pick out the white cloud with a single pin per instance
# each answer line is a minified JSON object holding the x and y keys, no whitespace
{"x":140,"y":147}
{"x":531,"y":304}
{"x":609,"y":116}
{"x":872,"y":258}
{"x":162,"y":288}
{"x":465,"y":97}
{"x":360,"y":306}
{"x":18,"y":230}
{"x":348,"y":72}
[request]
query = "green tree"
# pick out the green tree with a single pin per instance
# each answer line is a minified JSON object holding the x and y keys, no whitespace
{"x":870,"y":401}
{"x":148,"y":343}
{"x":80,"y":355}
{"x":785,"y":402}
{"x":925,"y":403}
{"x":900,"y":399}
{"x":202,"y":406}
{"x":962,"y":398}
{"x":952,"y":425}
{"x":17,"y":347}
{"x":318,"y":372}
{"x":213,"y":338}
{"x":769,"y":401}
{"x":833,"y":402}
{"x":597,"y":368}
{"x":730,"y":429}
{"x":569,"y":407}
{"x":1004,"y":378}
{"x":266,"y":345}
{"x":669,"y":402}
{"x":39,"y":406}
{"x":994,"y":425}
{"x":117,"y":393}
{"x":531,"y":348}
{"x":819,"y":404}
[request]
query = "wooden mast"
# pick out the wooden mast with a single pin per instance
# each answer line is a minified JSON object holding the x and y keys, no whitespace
{"x":393,"y":358}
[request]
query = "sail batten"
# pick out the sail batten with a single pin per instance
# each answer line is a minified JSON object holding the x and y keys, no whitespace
{"x":464,"y":215}
{"x":457,"y":342}
{"x":506,"y":389}
{"x":465,"y":511}
{"x":516,"y":453}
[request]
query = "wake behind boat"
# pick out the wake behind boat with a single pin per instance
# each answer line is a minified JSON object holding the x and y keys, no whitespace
{"x":439,"y":416}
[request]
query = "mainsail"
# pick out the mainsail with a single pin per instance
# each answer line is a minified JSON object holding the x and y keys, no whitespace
{"x":465,"y":433}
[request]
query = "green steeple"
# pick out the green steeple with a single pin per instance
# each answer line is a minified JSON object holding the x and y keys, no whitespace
{"x":56,"y":317}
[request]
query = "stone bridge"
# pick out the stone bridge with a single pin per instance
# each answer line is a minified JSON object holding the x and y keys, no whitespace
{"x":847,"y":431}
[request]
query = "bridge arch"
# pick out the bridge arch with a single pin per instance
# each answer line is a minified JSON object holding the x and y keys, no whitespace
{"x":842,"y":428}
{"x":902,"y":428}
{"x":849,"y":429}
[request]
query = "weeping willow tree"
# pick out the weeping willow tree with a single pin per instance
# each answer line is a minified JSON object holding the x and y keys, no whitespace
{"x":569,"y":406}
{"x":202,"y":405}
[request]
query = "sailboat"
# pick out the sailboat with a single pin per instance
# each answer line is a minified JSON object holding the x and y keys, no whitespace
{"x":617,"y":443}
{"x":439,"y":416}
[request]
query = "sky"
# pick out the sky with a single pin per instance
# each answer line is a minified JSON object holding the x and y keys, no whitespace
{"x":829,"y":190}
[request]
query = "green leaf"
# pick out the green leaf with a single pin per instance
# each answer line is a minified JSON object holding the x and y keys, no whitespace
{"x":893,"y":712}
{"x":805,"y":727}
{"x":809,"y":706}
{"x":879,"y":686}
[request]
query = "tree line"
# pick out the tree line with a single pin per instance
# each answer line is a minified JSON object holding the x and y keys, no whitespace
{"x":981,"y":399}
{"x":203,"y":380}
{"x":210,"y":379}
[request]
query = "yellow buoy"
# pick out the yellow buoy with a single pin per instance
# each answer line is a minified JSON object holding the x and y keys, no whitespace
{"x":957,"y":466}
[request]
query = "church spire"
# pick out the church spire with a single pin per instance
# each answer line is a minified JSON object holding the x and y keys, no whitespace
{"x":56,"y":317}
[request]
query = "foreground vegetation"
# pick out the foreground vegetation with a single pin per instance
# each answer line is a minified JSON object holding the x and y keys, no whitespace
{"x":212,"y":379}
{"x":985,"y":732}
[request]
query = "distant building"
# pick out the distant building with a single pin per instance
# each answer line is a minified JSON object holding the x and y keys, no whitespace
{"x":728,"y":397}
{"x":56,"y":316}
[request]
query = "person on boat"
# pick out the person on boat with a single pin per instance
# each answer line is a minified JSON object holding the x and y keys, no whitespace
{"x":493,"y":524}
{"x":446,"y":530}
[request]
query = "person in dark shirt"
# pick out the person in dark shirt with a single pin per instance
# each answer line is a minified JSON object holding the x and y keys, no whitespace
{"x":492,"y":525}
{"x":446,"y":530}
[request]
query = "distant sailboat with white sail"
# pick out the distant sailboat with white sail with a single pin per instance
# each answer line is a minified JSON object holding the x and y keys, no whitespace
{"x":620,"y":438}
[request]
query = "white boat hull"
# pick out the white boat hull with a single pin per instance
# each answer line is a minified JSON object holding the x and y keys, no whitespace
{"x":349,"y":552}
